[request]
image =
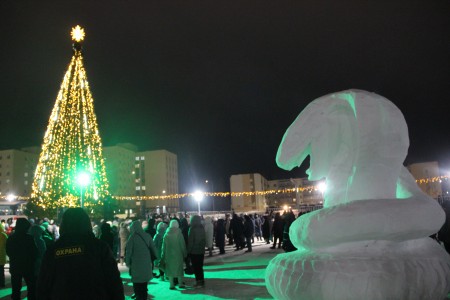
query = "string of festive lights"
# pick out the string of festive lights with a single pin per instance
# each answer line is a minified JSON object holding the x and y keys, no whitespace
{"x":310,"y":188}
{"x":71,"y":143}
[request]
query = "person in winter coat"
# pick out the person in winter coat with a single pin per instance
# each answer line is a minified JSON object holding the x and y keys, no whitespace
{"x":150,"y":227}
{"x":106,"y":235}
{"x":22,"y":252}
{"x":277,"y":230}
{"x":289,"y":218}
{"x":138,"y":258}
{"x":36,"y":232}
{"x":220,"y":235}
{"x":47,"y":235}
{"x":184,"y":226}
{"x":3,"y":238}
{"x":228,"y":230}
{"x":249,"y":230}
{"x":196,"y":249}
{"x":266,"y":229}
{"x":258,"y":232}
{"x":173,"y":254}
{"x":209,"y":231}
{"x":158,"y":241}
{"x":78,"y":265}
{"x":116,"y":241}
{"x":238,"y":231}
{"x":124,"y":233}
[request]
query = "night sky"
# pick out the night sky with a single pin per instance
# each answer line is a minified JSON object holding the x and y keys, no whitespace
{"x":219,"y":82}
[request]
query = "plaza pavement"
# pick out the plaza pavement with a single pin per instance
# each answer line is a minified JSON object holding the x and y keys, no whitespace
{"x":233,"y":275}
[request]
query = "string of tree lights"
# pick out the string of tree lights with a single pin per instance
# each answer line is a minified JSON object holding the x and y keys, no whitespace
{"x":310,"y":188}
{"x":71,"y":166}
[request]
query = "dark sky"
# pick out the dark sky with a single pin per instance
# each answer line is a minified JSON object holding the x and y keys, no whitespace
{"x":219,"y":82}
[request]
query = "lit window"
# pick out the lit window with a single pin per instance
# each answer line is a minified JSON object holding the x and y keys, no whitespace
{"x":143,"y":188}
{"x":142,"y":157}
{"x":26,"y":182}
{"x":138,"y":188}
{"x":137,"y":157}
{"x":7,"y":180}
{"x":26,"y":174}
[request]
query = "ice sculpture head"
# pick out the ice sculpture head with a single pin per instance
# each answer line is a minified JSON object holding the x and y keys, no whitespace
{"x":356,"y":140}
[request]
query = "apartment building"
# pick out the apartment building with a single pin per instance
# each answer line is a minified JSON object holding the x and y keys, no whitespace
{"x":251,"y":202}
{"x":17,"y":169}
{"x":119,"y":163}
{"x":156,"y":174}
{"x":142,"y":173}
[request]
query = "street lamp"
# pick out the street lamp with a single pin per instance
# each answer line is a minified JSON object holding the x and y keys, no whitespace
{"x":322,"y":187}
{"x":198,"y":196}
{"x":83,"y":180}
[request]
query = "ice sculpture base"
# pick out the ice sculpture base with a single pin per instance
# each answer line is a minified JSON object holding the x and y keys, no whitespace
{"x":416,"y":269}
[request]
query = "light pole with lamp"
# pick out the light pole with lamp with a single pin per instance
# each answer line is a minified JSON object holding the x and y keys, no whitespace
{"x":322,"y":187}
{"x":83,"y":180}
{"x":198,"y":196}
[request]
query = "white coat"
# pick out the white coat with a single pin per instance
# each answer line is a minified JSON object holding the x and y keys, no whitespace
{"x":209,"y":231}
{"x":137,"y":254}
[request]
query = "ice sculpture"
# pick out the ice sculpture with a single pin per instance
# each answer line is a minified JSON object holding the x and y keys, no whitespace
{"x":370,"y":241}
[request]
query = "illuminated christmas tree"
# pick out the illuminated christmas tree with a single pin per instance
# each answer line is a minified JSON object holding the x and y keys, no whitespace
{"x":71,"y":169}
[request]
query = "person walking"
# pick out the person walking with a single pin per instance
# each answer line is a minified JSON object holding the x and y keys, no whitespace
{"x":138,"y":258}
{"x":196,"y":249}
{"x":249,"y":230}
{"x":124,"y":233}
{"x":173,"y":254}
{"x":22,"y":252}
{"x":78,"y":265}
{"x":3,"y":238}
{"x":158,"y":241}
{"x":209,"y":231}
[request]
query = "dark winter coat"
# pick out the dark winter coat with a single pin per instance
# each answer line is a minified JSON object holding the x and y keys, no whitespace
{"x":278,"y":226}
{"x":78,"y":265}
{"x":289,"y":218}
{"x":197,"y":237}
{"x":220,"y":233}
{"x":237,"y":226}
{"x":184,"y":227}
{"x":257,"y":225}
{"x":249,"y":228}
{"x":150,"y":229}
{"x":266,"y":228}
{"x":21,"y":249}
{"x":106,"y":235}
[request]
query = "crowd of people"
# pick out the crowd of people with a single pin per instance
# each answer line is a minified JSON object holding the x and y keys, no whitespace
{"x":79,"y":259}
